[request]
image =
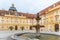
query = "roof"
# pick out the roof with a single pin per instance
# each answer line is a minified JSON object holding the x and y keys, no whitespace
{"x":48,"y":8}
{"x":13,"y":8}
{"x":28,"y":15}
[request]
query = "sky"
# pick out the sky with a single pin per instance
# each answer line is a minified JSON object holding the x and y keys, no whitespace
{"x":27,"y":6}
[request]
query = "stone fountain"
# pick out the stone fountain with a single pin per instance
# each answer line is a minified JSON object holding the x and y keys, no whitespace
{"x":37,"y":35}
{"x":37,"y":26}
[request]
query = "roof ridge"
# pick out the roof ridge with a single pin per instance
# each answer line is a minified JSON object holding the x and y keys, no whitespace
{"x":50,"y":7}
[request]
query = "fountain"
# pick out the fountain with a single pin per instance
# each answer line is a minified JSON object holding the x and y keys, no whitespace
{"x":37,"y":27}
{"x":37,"y":35}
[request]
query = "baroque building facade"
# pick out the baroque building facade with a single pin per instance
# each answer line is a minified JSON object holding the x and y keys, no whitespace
{"x":16,"y":19}
{"x":50,"y":17}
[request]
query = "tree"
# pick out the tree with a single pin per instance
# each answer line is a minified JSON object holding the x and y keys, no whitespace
{"x":11,"y":27}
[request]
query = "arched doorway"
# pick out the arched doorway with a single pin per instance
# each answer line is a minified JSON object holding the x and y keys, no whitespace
{"x":56,"y":27}
{"x":16,"y":27}
{"x":30,"y":27}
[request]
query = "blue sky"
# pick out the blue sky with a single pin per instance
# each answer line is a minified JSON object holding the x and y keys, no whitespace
{"x":29,"y":6}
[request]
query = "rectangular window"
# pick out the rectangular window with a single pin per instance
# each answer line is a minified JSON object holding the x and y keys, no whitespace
{"x":7,"y":21}
{"x":51,"y":20}
{"x":21,"y":20}
{"x":56,"y":18}
{"x":45,"y":15}
{"x":43,"y":20}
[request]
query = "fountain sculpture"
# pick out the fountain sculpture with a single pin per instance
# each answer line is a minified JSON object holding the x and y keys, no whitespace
{"x":37,"y":26}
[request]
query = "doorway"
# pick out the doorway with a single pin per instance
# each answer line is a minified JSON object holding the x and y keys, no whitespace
{"x":56,"y":27}
{"x":30,"y":27}
{"x":16,"y":28}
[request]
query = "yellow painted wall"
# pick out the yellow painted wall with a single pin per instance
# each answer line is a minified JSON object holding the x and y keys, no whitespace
{"x":51,"y":15}
{"x":11,"y":20}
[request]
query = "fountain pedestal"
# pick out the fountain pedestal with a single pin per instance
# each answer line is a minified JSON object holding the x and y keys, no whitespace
{"x":37,"y":26}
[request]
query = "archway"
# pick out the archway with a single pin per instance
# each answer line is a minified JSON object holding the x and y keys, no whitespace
{"x":30,"y":27}
{"x":56,"y":27}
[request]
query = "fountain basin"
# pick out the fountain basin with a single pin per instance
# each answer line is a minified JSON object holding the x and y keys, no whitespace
{"x":34,"y":36}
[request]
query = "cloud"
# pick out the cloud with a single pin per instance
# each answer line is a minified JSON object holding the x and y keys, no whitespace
{"x":31,"y":6}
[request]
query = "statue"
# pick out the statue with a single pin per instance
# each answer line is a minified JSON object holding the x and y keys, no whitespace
{"x":37,"y":26}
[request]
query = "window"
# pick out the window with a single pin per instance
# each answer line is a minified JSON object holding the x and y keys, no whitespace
{"x":45,"y":15}
{"x":51,"y":20}
{"x":7,"y":21}
{"x":28,"y":21}
{"x":56,"y":12}
{"x":56,"y":18}
{"x":50,"y":27}
{"x":22,"y":20}
{"x":44,"y":21}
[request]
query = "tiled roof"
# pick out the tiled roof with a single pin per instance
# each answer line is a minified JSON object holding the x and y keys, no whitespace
{"x":28,"y":15}
{"x":48,"y":8}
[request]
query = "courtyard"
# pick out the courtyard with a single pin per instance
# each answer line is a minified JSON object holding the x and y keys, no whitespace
{"x":26,"y":24}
